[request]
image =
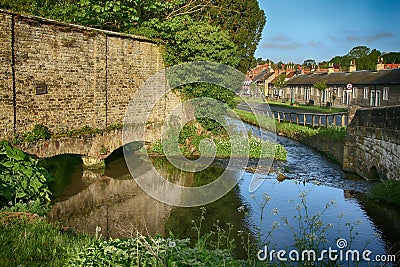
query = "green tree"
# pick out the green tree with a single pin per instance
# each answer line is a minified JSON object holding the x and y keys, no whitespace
{"x":392,"y":58}
{"x":359,"y":52}
{"x":365,"y":58}
{"x":343,"y":62}
{"x":280,"y":81}
{"x":309,"y":63}
{"x":244,"y":20}
{"x":320,"y":86}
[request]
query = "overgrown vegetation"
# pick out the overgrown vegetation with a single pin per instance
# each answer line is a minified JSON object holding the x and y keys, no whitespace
{"x":388,"y":191}
{"x":42,"y":132}
{"x":38,"y":132}
{"x":28,"y":240}
{"x":192,"y":135}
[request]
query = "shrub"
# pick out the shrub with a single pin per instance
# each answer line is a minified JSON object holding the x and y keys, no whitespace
{"x":22,"y":180}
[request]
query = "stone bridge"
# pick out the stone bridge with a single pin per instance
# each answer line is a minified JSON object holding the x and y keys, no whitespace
{"x":93,"y":148}
{"x":372,"y":145}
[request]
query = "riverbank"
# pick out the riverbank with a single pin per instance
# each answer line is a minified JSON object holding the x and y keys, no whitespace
{"x":29,"y":240}
{"x":329,"y":140}
{"x":301,"y":107}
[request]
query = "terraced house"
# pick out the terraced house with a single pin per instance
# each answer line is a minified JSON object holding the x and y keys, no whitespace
{"x":364,"y":88}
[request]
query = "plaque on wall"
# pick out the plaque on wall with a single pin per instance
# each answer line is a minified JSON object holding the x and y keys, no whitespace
{"x":41,"y":88}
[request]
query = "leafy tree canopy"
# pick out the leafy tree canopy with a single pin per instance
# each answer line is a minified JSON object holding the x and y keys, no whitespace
{"x":309,"y":63}
{"x":280,"y":81}
{"x":392,"y":58}
{"x":242,"y":21}
{"x":365,"y":58}
{"x":359,"y":52}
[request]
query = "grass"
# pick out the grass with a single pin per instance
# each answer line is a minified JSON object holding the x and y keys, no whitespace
{"x":387,"y":191}
{"x":29,"y":240}
{"x":293,"y":131}
{"x":316,"y":108}
{"x":26,"y":240}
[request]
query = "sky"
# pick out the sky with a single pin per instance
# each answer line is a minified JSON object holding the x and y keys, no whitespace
{"x":297,"y":30}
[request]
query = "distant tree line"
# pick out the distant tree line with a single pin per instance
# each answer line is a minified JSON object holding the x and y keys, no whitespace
{"x":364,"y":57}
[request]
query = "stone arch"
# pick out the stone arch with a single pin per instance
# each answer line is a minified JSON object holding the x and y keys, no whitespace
{"x":373,"y":174}
{"x":118,"y":151}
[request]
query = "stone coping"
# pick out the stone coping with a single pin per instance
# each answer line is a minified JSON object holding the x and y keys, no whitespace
{"x":78,"y":27}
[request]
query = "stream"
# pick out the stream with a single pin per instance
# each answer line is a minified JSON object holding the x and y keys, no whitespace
{"x":314,"y":186}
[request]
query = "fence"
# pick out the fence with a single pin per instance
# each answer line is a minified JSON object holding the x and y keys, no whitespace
{"x":309,"y":119}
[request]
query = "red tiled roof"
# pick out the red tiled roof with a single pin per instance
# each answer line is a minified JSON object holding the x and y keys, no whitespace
{"x":290,"y":74}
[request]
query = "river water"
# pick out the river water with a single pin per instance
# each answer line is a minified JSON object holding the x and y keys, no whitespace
{"x":315,"y":189}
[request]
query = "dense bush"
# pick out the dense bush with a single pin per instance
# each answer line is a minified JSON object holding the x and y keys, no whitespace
{"x":145,"y":251}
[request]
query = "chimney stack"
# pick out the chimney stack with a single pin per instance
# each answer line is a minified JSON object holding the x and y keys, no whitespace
{"x":353,"y":66}
{"x":380,"y":65}
{"x":330,"y":68}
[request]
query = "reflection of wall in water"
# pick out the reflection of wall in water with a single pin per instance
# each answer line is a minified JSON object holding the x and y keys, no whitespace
{"x":386,"y":217}
{"x":116,"y":205}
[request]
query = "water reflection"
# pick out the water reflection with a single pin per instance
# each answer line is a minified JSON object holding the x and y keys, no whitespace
{"x":113,"y":201}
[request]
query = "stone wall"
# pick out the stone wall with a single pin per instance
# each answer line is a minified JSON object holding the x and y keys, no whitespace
{"x":331,"y":148}
{"x":6,"y":82}
{"x":372,"y":146}
{"x":67,"y":76}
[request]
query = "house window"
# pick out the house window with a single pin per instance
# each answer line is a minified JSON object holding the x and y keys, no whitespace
{"x":355,"y":92}
{"x":375,"y":100}
{"x":366,"y":92}
{"x":385,"y":93}
{"x":338,"y":92}
{"x":312,"y":90}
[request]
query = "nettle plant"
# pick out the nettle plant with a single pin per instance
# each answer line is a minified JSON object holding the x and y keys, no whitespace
{"x":21,"y":179}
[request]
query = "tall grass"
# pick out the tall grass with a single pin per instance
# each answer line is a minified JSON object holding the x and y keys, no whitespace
{"x":27,"y":241}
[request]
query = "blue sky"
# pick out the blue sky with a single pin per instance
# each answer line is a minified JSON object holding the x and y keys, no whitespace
{"x":297,"y":30}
